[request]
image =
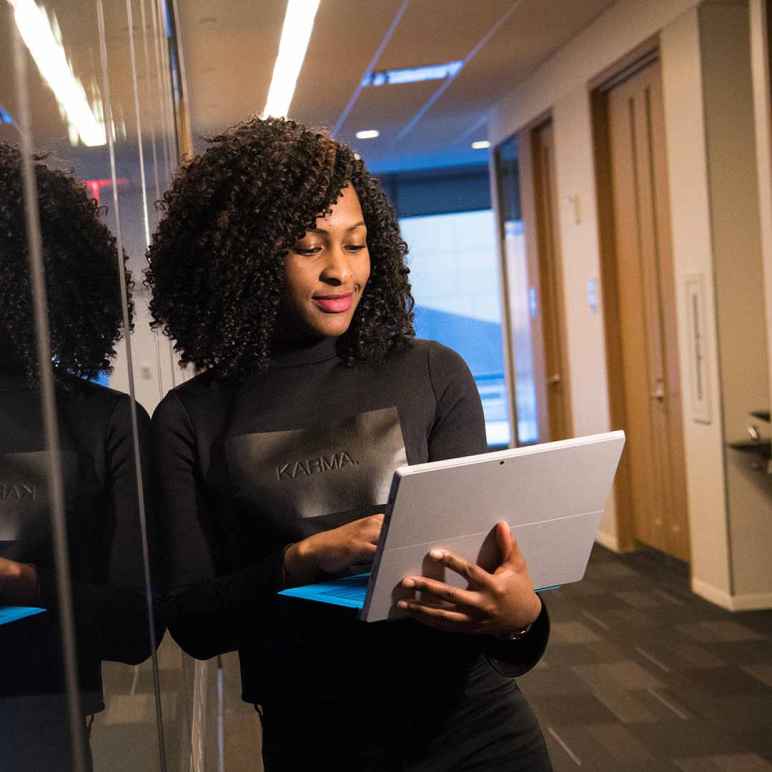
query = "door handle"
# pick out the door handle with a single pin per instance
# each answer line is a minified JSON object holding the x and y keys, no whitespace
{"x":553,"y":379}
{"x":659,"y":392}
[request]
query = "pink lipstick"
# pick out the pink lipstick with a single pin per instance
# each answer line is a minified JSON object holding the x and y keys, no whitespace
{"x":334,"y":304}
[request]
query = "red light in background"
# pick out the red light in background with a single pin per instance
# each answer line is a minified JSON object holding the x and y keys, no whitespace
{"x":95,"y":187}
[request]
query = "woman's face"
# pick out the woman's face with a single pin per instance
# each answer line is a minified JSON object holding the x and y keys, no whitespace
{"x":327,"y":270}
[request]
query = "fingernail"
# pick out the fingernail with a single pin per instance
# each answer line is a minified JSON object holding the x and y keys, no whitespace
{"x":402,"y":604}
{"x":437,"y":554}
{"x":408,"y":582}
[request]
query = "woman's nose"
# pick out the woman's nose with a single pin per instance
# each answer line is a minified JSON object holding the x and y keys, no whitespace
{"x":337,"y":268}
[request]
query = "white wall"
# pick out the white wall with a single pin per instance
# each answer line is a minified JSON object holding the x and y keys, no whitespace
{"x":580,"y":250}
{"x":562,"y":86}
{"x":682,"y":89}
{"x":739,"y":279}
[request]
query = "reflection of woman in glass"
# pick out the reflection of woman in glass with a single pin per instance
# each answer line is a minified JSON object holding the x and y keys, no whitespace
{"x":97,"y":463}
{"x":279,"y":269}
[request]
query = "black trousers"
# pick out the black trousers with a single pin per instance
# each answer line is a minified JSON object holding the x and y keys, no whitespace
{"x":488,"y":725}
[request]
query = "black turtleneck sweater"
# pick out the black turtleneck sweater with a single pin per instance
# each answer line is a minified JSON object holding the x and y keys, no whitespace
{"x":97,"y":462}
{"x":244,"y":469}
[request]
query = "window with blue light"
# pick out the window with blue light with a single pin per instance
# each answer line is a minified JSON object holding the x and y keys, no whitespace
{"x":454,"y":276}
{"x":447,"y":222}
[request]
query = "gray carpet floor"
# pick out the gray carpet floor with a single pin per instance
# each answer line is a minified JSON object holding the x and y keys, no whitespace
{"x":641,"y":674}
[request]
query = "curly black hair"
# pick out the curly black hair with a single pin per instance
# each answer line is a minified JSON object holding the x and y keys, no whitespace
{"x":216,"y":260}
{"x":81,"y":267}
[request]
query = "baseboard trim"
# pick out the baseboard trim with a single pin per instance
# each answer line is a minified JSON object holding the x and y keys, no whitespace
{"x":608,"y":540}
{"x":711,"y":593}
{"x":752,"y":601}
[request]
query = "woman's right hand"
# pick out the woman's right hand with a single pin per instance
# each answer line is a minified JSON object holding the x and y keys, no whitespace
{"x":333,"y":551}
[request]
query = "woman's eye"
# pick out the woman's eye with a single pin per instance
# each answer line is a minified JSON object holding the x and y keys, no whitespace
{"x":356,"y":247}
{"x":307,"y":251}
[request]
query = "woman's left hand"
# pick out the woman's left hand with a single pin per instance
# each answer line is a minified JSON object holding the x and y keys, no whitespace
{"x":495,"y":603}
{"x":18,"y":583}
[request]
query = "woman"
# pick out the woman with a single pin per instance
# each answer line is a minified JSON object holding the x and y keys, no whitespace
{"x":97,"y":462}
{"x":279,"y":270}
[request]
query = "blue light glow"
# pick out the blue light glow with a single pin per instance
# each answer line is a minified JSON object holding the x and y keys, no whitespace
{"x":412,"y":74}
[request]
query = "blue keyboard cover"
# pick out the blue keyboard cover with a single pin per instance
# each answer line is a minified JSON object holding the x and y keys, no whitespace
{"x":349,"y":591}
{"x":13,"y":613}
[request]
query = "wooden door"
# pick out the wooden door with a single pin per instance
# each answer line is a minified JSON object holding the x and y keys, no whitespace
{"x":550,"y":285}
{"x":645,"y":310}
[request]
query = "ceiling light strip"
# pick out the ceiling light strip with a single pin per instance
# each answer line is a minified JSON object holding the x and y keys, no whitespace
{"x":408,"y":127}
{"x":371,"y":66}
{"x":402,"y":75}
{"x":295,"y":37}
{"x":46,"y":48}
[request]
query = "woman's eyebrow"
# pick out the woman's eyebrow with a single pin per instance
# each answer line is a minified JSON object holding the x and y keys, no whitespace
{"x":360,"y":224}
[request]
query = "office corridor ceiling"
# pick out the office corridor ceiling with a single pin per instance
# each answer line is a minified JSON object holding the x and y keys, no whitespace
{"x":229,"y":51}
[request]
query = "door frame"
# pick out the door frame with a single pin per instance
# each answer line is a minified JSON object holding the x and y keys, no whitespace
{"x":609,"y":280}
{"x":550,"y":199}
{"x":525,"y":137}
{"x":521,"y":138}
{"x":529,"y":206}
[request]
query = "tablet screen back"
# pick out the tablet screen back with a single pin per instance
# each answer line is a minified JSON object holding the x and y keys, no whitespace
{"x":552,"y":496}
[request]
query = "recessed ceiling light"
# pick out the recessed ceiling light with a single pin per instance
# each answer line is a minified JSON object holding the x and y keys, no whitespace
{"x":412,"y":74}
{"x":368,"y":134}
{"x":481,"y":144}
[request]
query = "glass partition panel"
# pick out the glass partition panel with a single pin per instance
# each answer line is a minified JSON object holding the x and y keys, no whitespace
{"x":86,"y":113}
{"x":45,"y":686}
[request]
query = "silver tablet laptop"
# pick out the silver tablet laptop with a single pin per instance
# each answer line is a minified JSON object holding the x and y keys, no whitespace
{"x":552,"y":496}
